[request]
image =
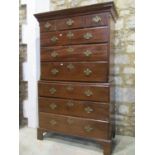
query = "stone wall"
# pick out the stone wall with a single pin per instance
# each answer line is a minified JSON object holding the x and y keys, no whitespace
{"x":22,"y":59}
{"x":124,"y":60}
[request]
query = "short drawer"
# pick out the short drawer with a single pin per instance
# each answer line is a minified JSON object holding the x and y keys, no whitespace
{"x":75,"y":90}
{"x":85,"y":109}
{"x":93,"y":52}
{"x":75,"y":71}
{"x":95,"y":20}
{"x":70,"y":23}
{"x":80,"y":36}
{"x":74,"y":126}
{"x":46,"y":26}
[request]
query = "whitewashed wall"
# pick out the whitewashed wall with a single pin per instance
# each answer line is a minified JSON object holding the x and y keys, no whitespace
{"x":31,"y":68}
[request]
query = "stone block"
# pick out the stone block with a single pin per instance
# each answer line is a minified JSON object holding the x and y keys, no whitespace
{"x":121,"y":59}
{"x":129,"y":79}
{"x":125,"y":94}
{"x":123,"y":109}
{"x":119,"y":24}
{"x":130,"y":48}
{"x":129,"y":70}
{"x":115,"y":70}
{"x":124,"y":120}
{"x":125,"y":4}
{"x":131,"y":37}
{"x":125,"y":130}
{"x":130,"y":22}
{"x":118,"y":80}
{"x":82,"y":2}
{"x":124,"y":13}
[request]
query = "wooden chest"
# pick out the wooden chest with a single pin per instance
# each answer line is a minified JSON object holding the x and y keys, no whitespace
{"x":76,"y":84}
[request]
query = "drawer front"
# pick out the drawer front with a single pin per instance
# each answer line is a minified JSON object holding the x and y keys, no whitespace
{"x":87,"y":109}
{"x":74,"y":71}
{"x":70,"y":23}
{"x":93,"y":52}
{"x":47,"y":26}
{"x":75,"y":90}
{"x":95,"y":20}
{"x":80,"y":36}
{"x":74,"y":126}
{"x":92,"y":20}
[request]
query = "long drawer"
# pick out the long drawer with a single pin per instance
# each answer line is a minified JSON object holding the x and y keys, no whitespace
{"x":75,"y":22}
{"x":92,"y":52}
{"x":85,"y":109}
{"x":75,"y":90}
{"x":79,"y":36}
{"x":74,"y":126}
{"x":75,"y":71}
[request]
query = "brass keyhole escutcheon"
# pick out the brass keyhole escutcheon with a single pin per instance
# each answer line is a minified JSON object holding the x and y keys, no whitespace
{"x":70,"y":50}
{"x":87,"y":36}
{"x":53,"y":122}
{"x":88,"y":93}
{"x":54,"y":71}
{"x":53,"y":106}
{"x":88,"y":128}
{"x":70,"y":121}
{"x":70,"y":104}
{"x":70,"y":22}
{"x":88,"y":110}
{"x":52,"y":90}
{"x":54,"y":39}
{"x":70,"y":66}
{"x":70,"y":88}
{"x":70,"y":35}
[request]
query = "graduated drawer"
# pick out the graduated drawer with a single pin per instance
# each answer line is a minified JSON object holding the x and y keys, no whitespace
{"x":93,"y":52}
{"x":74,"y":125}
{"x":91,"y":20}
{"x":79,"y":36}
{"x":75,"y":71}
{"x":86,"y":109}
{"x":75,"y":90}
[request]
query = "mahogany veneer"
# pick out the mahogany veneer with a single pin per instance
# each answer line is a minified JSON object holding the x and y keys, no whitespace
{"x":76,"y":83}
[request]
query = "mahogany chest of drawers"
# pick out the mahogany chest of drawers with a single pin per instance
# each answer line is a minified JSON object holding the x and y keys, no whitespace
{"x":76,"y":85}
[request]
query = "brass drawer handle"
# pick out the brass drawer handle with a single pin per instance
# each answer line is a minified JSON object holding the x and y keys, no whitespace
{"x":96,"y":19}
{"x":70,"y":66}
{"x":88,"y":110}
{"x":87,"y":53}
{"x":47,"y":25}
{"x":70,"y":121}
{"x":88,"y":93}
{"x":54,"y":39}
{"x":70,"y":22}
{"x":70,"y":50}
{"x":88,"y":128}
{"x":87,"y":36}
{"x":54,"y":54}
{"x":54,"y":71}
{"x":70,"y":88}
{"x":52,"y":90}
{"x":87,"y":72}
{"x":53,"y":106}
{"x":70,"y":35}
{"x":70,"y":104}
{"x":53,"y":122}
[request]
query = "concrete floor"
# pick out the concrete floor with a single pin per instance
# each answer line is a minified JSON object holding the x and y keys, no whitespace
{"x":61,"y":145}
